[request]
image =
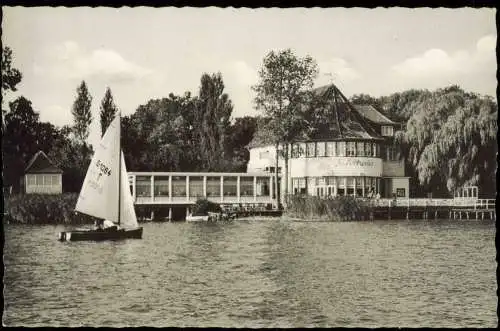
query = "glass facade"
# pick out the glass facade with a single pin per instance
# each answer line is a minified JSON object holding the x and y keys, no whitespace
{"x":335,"y":185}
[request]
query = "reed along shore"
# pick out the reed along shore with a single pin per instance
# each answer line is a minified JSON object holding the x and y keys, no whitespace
{"x":335,"y":209}
{"x":43,"y":209}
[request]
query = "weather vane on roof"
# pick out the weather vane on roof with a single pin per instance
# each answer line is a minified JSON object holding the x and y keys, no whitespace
{"x":331,"y":75}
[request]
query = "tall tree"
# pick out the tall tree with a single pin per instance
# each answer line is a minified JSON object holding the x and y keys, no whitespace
{"x":281,"y":92}
{"x":82,"y":114}
{"x":108,"y":110}
{"x":212,"y":122}
{"x":10,"y":76}
{"x":19,"y":140}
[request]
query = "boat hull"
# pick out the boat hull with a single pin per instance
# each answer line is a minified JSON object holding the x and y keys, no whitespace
{"x":100,"y":235}
{"x":197,"y":218}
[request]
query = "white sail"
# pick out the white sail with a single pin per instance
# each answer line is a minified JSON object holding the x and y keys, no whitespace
{"x":128,"y":218}
{"x":99,"y":193}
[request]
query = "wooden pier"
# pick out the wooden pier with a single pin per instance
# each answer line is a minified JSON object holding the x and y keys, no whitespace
{"x":461,"y":208}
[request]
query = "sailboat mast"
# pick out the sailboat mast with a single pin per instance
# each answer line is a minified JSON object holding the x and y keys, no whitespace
{"x":119,"y":165}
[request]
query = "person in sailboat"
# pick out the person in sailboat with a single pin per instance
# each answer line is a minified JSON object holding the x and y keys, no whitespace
{"x":106,"y":225}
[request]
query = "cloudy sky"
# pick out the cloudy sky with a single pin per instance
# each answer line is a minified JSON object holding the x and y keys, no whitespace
{"x":145,"y":53}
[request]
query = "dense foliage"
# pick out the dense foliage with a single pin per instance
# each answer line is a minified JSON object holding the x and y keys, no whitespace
{"x":186,"y":133}
{"x":203,"y":206}
{"x":449,"y":138}
{"x":282,"y":90}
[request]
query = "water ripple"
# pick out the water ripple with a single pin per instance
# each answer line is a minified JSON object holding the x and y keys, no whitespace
{"x":256,"y":274}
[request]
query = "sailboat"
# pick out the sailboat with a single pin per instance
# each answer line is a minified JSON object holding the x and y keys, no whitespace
{"x":105,"y":192}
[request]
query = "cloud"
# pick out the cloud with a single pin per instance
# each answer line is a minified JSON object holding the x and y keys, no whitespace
{"x":339,"y":69}
{"x":68,"y":60}
{"x":436,"y":62}
{"x":241,"y":73}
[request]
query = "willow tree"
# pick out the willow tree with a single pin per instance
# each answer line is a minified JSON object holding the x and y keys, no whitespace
{"x":108,"y":110}
{"x":284,"y":80}
{"x":450,"y":140}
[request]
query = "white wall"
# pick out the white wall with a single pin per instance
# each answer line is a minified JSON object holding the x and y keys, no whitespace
{"x":402,"y":182}
{"x":336,"y":166}
{"x":262,"y":157}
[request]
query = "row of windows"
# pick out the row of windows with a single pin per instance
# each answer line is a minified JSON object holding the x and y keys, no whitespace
{"x":342,"y":148}
{"x":213,"y":186}
{"x":43,"y":180}
{"x":332,"y":186}
{"x":335,"y":181}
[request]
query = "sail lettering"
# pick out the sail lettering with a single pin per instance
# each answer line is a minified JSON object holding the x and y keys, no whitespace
{"x":103,"y":168}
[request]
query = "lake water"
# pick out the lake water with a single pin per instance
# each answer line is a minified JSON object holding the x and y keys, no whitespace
{"x":257,"y":274}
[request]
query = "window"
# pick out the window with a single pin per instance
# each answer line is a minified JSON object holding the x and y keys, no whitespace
{"x":263,"y":186}
{"x":311,"y":148}
{"x":196,"y":186}
{"x":374,"y":147}
{"x":55,"y":180}
{"x":301,"y":149}
{"x":387,"y":131}
{"x":341,"y":148}
{"x":360,"y":150}
{"x":230,"y":186}
{"x":351,"y":148}
{"x":400,"y":192}
{"x":392,"y":155}
{"x":246,"y":186}
{"x":320,"y":149}
{"x":31,"y":180}
{"x":161,"y":186}
{"x":295,"y":151}
{"x":330,"y":148}
{"x":143,"y":186}
{"x":368,"y":149}
{"x":179,"y":186}
{"x":213,"y":186}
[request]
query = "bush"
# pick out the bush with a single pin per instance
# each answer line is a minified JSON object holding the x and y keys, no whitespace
{"x":203,"y":206}
{"x":44,"y":209}
{"x":341,"y":208}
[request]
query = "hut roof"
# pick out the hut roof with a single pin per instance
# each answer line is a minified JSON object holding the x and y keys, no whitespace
{"x":40,"y":163}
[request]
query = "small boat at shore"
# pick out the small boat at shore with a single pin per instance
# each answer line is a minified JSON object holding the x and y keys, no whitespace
{"x":105,"y":193}
{"x":197,"y":218}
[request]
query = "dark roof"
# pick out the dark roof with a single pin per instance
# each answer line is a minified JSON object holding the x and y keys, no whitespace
{"x":345,"y":121}
{"x":372,"y":114}
{"x":40,"y":163}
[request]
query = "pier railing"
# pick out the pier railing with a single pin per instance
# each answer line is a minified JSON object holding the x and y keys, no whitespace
{"x":472,"y":203}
